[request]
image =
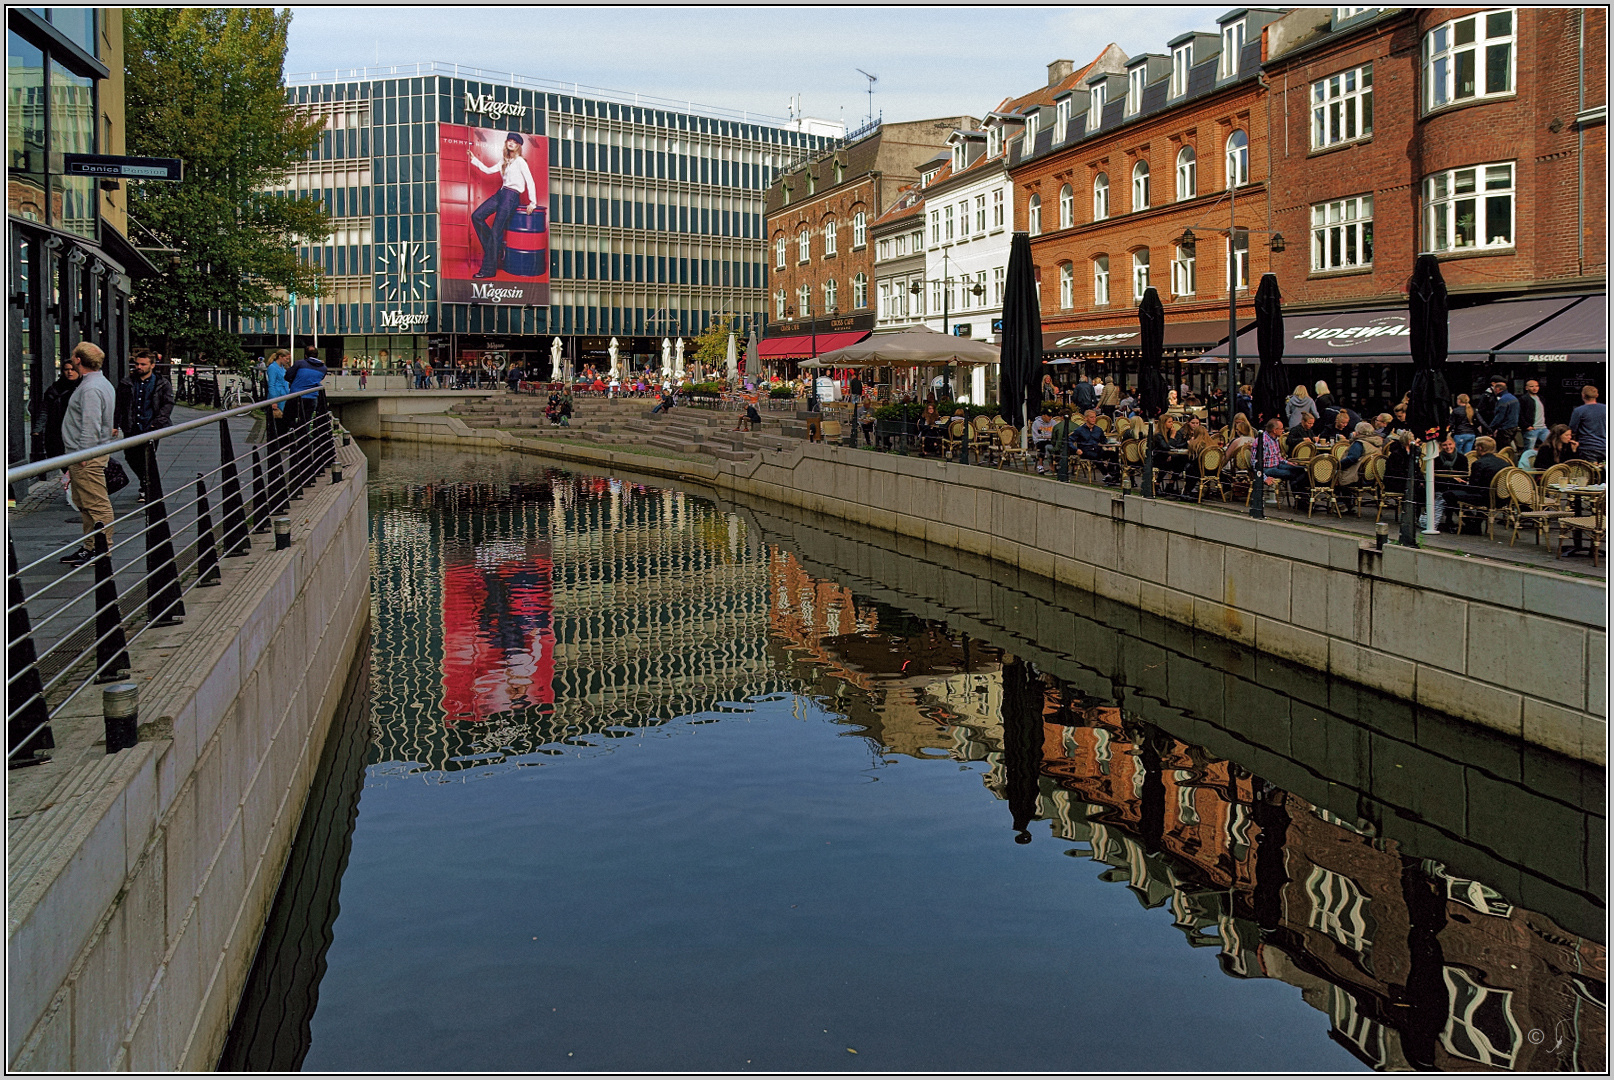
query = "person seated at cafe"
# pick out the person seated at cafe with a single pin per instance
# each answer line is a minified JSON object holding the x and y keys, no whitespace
{"x":1558,"y":448}
{"x":1305,"y":429}
{"x":1345,"y":421}
{"x":1166,"y":456}
{"x":1481,"y":473}
{"x":930,"y":428}
{"x":1398,"y":420}
{"x":1042,"y":433}
{"x":1089,"y":441}
{"x":1365,"y":442}
{"x":1276,"y":466}
{"x":1450,"y":459}
{"x":1243,"y":435}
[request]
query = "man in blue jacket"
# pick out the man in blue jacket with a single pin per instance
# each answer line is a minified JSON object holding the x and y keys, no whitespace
{"x":306,"y":374}
{"x":1504,"y":422}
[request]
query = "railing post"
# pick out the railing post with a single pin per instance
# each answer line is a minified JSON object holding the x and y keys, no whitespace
{"x":28,"y":728}
{"x":236,"y":541}
{"x":111,"y":646}
{"x":164,"y":605}
{"x":207,"y":553}
{"x":260,"y":505}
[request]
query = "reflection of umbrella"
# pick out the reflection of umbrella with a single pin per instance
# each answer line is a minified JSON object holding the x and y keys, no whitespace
{"x":1429,"y":406}
{"x":1272,"y":385}
{"x":1020,"y":367}
{"x":1152,"y":392}
{"x":1022,"y":743}
{"x":554,"y":361}
{"x":733,"y":361}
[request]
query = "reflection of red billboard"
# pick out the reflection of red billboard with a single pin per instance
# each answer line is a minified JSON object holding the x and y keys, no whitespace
{"x":498,"y":635}
{"x":493,"y":216}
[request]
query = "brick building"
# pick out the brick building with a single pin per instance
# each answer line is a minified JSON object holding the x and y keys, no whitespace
{"x":1110,"y":175}
{"x":820,"y":259}
{"x":1477,"y":134}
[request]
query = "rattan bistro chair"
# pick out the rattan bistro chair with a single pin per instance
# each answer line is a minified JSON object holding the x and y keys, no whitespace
{"x":1210,"y":473}
{"x":957,"y":435}
{"x":1009,"y":448}
{"x":1131,"y":455}
{"x":1525,"y":507}
{"x":1495,"y":504}
{"x":1304,"y":452}
{"x":1321,"y":471}
{"x":1593,"y":525}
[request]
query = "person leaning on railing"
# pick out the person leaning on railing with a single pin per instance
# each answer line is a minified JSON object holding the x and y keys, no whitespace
{"x":89,"y":422}
{"x":279,"y":386}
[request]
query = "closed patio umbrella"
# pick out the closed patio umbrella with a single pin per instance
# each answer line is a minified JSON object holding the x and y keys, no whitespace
{"x":1020,"y":367}
{"x":1429,"y":407}
{"x":1152,"y":393}
{"x":1270,"y":381}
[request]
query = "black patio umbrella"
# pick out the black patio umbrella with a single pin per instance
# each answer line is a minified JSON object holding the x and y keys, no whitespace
{"x":1020,"y":366}
{"x":1272,"y":384}
{"x":1429,"y":405}
{"x":1152,"y":392}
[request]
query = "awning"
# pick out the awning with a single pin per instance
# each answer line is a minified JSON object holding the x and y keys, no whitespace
{"x":801,"y":347}
{"x":1346,"y":337}
{"x":1578,"y":332}
{"x":1180,"y":338}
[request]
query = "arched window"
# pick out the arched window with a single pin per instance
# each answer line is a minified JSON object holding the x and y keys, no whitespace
{"x":1140,"y":186}
{"x":829,"y":297}
{"x":860,"y":230}
{"x":779,"y":252}
{"x":804,"y":300}
{"x":1183,"y":277}
{"x":860,"y":290}
{"x":1238,"y":159}
{"x":804,"y":246}
{"x":1067,"y":285}
{"x":1067,"y":207}
{"x":1101,"y":197}
{"x":829,"y":237}
{"x":1034,"y":215}
{"x":1101,"y":280}
{"x":1140,"y":272}
{"x":1187,"y":181}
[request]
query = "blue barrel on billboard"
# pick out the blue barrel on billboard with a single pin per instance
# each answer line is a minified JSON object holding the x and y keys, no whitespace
{"x":526,"y":244}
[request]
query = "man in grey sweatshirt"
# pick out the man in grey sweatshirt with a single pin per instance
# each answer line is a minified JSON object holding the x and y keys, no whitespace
{"x":89,"y":422}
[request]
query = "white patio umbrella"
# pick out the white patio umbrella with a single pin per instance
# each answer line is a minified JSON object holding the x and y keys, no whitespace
{"x":733,"y":361}
{"x":666,"y":358}
{"x":612,"y":351}
{"x":678,"y":359}
{"x":554,"y":361}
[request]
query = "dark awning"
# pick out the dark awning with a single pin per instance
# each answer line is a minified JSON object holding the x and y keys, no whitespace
{"x":1345,"y":337}
{"x":1181,"y":338}
{"x":1578,"y":332}
{"x":1475,"y":332}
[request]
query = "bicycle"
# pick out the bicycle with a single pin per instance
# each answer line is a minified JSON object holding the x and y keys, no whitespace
{"x":235,"y":395}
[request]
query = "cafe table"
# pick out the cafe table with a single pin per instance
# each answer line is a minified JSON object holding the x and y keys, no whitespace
{"x":1578,"y":492}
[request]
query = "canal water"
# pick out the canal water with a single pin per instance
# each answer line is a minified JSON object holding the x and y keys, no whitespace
{"x":638,"y":779}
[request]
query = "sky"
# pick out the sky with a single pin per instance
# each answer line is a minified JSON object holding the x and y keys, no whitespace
{"x":929,"y":61}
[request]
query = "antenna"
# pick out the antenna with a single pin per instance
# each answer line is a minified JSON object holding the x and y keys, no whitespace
{"x":872,"y":80}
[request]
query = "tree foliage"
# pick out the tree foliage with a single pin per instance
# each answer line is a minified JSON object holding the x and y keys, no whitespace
{"x":204,"y":85}
{"x":712,"y":347}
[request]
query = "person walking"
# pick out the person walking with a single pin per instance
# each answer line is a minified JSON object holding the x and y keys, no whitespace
{"x":1503,"y":423}
{"x":89,"y":422}
{"x":145,"y":402}
{"x":52,"y":407}
{"x":515,"y":181}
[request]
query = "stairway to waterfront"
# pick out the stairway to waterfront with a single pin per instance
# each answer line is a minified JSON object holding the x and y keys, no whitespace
{"x":628,"y":422}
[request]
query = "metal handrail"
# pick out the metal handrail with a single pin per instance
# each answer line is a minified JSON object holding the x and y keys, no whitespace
{"x":62,"y":461}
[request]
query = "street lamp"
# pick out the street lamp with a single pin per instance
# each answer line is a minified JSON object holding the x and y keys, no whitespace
{"x":812,"y":380}
{"x":977,"y":290}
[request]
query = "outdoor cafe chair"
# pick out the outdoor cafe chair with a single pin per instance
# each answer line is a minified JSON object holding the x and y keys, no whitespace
{"x":1322,"y":471}
{"x":1131,"y":457}
{"x":1580,"y":473}
{"x":1509,"y":455}
{"x":1210,"y":473}
{"x":1105,"y":424}
{"x":1304,"y":452}
{"x":1340,"y":448}
{"x":1526,"y":507}
{"x":1495,"y":504}
{"x":1009,"y":448}
{"x":1593,"y":525}
{"x":957,"y":435}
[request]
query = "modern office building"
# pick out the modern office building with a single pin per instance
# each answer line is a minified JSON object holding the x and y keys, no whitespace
{"x":648,"y":219}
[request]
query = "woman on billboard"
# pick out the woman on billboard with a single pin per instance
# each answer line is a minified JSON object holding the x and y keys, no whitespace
{"x":517,"y":180}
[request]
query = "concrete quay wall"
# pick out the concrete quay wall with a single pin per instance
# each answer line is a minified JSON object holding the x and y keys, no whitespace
{"x":139,"y":892}
{"x":1511,"y":648}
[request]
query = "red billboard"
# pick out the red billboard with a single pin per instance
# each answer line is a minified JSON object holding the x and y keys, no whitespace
{"x":493,"y":216}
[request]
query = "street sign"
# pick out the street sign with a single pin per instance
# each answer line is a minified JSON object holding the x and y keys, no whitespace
{"x":107,"y":166}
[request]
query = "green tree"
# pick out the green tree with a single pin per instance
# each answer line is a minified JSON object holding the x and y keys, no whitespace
{"x":712,"y":347}
{"x":204,"y":85}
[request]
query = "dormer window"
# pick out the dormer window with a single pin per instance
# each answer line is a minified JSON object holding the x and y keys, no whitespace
{"x":1343,"y":13}
{"x":1182,"y":58}
{"x":840,"y":171}
{"x":958,"y":157}
{"x":994,"y":141}
{"x":812,"y":182}
{"x":1095,"y":109}
{"x":1061,"y":119}
{"x":1031,"y":133}
{"x":1134,"y":90}
{"x":1232,"y":45}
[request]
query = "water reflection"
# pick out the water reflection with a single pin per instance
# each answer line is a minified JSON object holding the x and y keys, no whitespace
{"x":539,"y":613}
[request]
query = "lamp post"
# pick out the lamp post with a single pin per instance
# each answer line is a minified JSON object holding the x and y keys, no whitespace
{"x":977,"y":290}
{"x":812,"y":380}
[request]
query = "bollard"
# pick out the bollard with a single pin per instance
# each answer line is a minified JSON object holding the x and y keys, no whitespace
{"x":282,"y":533}
{"x":1381,"y":533}
{"x":336,"y":473}
{"x":120,"y":708}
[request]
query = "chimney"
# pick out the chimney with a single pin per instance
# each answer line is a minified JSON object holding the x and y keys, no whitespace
{"x":1060,"y":70}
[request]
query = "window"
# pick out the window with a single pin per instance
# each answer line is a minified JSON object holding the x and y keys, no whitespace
{"x":1095,"y":107}
{"x":803,"y":246}
{"x":958,"y":157}
{"x":980,"y":213}
{"x":1140,"y":186}
{"x":947,"y":219}
{"x":1232,"y":45}
{"x":1182,"y":58}
{"x":997,"y":286}
{"x":1031,"y":134}
{"x":779,"y":252}
{"x":1067,"y":207}
{"x":1182,"y":272}
{"x":860,"y":291}
{"x":1061,"y":119}
{"x":1187,"y":170}
{"x":1342,"y":107}
{"x":840,"y":171}
{"x":812,"y":182}
{"x":935,"y":226}
{"x":1238,"y":158}
{"x":779,"y":304}
{"x":936,"y":296}
{"x":1480,"y":1025}
{"x":1339,"y":909}
{"x":829,"y":237}
{"x":964,"y":219}
{"x":1343,"y":13}
{"x":1468,"y":58}
{"x":885,"y":311}
{"x":1034,"y":215}
{"x":1134,"y":90}
{"x":804,"y":300}
{"x":1101,"y":280}
{"x":1101,"y":197}
{"x":1342,"y":234}
{"x":997,"y":209}
{"x":1140,"y":273}
{"x":994,"y":141}
{"x":916,"y":241}
{"x":882,"y":250}
{"x":860,"y":229}
{"x":1469,"y":208}
{"x":916,"y":298}
{"x":829,"y":297}
{"x":1238,"y":262}
{"x":1067,"y":285}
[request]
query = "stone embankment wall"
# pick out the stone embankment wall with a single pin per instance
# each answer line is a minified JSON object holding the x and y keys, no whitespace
{"x":1514,"y":649}
{"x":138,"y":895}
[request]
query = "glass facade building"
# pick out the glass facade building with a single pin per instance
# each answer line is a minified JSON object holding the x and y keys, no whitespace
{"x":655,"y":222}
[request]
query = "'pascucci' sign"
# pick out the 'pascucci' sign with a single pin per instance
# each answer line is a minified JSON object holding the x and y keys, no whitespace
{"x":483,"y":105}
{"x":401,"y":319}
